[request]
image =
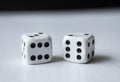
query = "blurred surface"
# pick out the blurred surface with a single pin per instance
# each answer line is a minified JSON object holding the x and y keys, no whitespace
{"x":104,"y":24}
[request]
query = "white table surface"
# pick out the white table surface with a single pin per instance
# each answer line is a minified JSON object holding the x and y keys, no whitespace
{"x":104,"y":24}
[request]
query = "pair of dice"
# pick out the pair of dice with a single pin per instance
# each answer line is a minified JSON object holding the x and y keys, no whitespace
{"x":77,"y":47}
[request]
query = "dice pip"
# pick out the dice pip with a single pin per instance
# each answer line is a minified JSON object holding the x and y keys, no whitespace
{"x":78,"y":47}
{"x":36,"y":48}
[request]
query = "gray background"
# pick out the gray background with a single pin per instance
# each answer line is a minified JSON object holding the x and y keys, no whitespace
{"x":103,"y":23}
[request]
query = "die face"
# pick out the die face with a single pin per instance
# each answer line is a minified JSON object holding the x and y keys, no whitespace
{"x":23,"y":48}
{"x":90,"y":47}
{"x":35,"y":36}
{"x":24,"y":42}
{"x":38,"y":48}
{"x":75,"y":47}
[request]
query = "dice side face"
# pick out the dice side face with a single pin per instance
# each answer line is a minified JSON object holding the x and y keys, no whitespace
{"x":24,"y":43}
{"x":90,"y":47}
{"x":38,"y":49}
{"x":78,"y":50}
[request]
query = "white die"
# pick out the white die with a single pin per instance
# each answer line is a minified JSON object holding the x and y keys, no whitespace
{"x":78,"y":47}
{"x":36,"y":48}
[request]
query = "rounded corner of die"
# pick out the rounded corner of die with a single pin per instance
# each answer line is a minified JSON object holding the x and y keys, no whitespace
{"x":49,"y":37}
{"x":23,"y":35}
{"x":64,"y":39}
{"x":92,"y":35}
{"x":66,"y":36}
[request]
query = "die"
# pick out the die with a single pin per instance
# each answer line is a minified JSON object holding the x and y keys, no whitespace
{"x":36,"y":48}
{"x":78,"y":47}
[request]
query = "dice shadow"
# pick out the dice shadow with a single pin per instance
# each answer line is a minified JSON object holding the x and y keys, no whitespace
{"x":100,"y":58}
{"x":57,"y":58}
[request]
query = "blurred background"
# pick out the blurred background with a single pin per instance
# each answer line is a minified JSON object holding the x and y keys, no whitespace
{"x":56,"y":4}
